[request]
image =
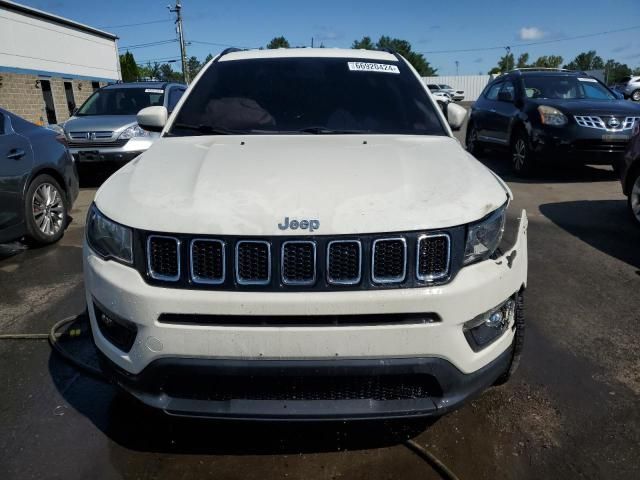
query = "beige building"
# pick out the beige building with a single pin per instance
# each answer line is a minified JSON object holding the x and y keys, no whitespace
{"x":49,"y":64}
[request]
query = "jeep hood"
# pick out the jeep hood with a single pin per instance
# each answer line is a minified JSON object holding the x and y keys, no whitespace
{"x":247,"y":185}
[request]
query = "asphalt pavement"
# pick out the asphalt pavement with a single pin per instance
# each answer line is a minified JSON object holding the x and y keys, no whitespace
{"x":571,"y":411}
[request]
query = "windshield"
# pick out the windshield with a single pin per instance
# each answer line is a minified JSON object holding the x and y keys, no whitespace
{"x":308,"y":95}
{"x":446,"y":86}
{"x":121,"y":101}
{"x":565,"y":87}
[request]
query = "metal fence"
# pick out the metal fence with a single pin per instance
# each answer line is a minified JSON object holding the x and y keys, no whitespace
{"x":471,"y":84}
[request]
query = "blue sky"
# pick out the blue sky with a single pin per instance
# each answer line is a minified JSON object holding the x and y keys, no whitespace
{"x":429,"y":26}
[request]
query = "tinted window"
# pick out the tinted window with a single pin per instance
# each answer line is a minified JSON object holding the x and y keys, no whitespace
{"x":121,"y":101}
{"x":565,"y":87}
{"x":509,"y":89}
{"x":320,"y":95}
{"x":174,"y":97}
{"x":492,"y":92}
{"x":2,"y":122}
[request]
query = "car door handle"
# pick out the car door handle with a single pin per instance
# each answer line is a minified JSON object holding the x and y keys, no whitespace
{"x":15,"y":154}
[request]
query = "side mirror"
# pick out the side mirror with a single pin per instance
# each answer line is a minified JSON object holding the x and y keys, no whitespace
{"x":618,"y":95}
{"x":152,"y":119}
{"x":505,"y":97}
{"x":455,"y":116}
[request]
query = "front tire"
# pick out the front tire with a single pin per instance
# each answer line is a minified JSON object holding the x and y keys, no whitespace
{"x":635,"y":95}
{"x":473,"y":144}
{"x":522,"y":161}
{"x":45,"y":210}
{"x":634,"y":198}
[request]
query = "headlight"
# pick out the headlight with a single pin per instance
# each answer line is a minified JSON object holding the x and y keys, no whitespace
{"x":133,"y":131}
{"x":107,"y":238}
{"x":551,"y":116}
{"x":484,"y":237}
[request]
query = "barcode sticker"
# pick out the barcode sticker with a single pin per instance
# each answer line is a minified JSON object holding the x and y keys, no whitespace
{"x":372,"y":67}
{"x":584,"y":79}
{"x":153,"y":90}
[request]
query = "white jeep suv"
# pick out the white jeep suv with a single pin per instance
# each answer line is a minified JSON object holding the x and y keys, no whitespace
{"x":306,"y":240}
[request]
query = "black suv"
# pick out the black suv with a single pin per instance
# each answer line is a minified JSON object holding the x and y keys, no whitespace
{"x":558,"y":115}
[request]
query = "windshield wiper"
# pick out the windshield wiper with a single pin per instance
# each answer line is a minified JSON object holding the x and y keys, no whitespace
{"x":330,"y":131}
{"x":207,"y":129}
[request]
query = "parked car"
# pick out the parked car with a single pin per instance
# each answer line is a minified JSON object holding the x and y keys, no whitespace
{"x":456,"y":95}
{"x":443,"y":99}
{"x":630,"y":173}
{"x":629,"y":87}
{"x":38,"y":181}
{"x":557,"y":116}
{"x":104,"y":128}
{"x":306,"y":240}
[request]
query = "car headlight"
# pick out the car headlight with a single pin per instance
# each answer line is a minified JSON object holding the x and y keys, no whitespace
{"x":108,"y":238}
{"x":484,"y":237}
{"x":551,"y":116}
{"x":133,"y":131}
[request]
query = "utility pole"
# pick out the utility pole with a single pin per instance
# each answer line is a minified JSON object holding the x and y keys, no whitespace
{"x":177,"y":9}
{"x":457,"y":70}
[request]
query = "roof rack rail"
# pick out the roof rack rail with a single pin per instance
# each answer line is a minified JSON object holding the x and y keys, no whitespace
{"x":540,"y":69}
{"x":228,"y":50}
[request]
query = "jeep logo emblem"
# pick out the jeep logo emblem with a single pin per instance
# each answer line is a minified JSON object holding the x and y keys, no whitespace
{"x":310,"y":225}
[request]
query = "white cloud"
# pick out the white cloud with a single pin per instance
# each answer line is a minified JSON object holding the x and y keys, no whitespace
{"x":531,"y":33}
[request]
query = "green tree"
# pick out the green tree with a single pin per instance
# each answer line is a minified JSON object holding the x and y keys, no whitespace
{"x":278,"y":42}
{"x":548,"y":61}
{"x":523,"y":60}
{"x":207,"y":59}
{"x":615,"y":71}
{"x":586,"y":61}
{"x":505,"y":64}
{"x":193,"y":67}
{"x":128,"y":67}
{"x":365,"y":43}
{"x":166,"y":74}
{"x":402,"y":47}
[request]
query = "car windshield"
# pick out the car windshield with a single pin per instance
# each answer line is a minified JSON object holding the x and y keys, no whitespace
{"x":565,"y":87}
{"x":446,"y":86}
{"x":121,"y":101}
{"x":308,"y":95}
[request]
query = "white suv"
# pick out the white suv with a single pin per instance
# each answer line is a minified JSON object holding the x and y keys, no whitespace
{"x":306,"y":240}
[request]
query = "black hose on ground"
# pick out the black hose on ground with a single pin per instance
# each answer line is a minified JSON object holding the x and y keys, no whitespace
{"x":433,"y":461}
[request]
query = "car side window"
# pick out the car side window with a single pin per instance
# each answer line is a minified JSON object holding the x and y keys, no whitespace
{"x":174,"y":96}
{"x":492,"y":92}
{"x":2,"y":123}
{"x":508,"y":89}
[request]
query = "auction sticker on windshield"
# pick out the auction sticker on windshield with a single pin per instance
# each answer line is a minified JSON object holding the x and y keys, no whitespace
{"x":153,"y":90}
{"x":372,"y":67}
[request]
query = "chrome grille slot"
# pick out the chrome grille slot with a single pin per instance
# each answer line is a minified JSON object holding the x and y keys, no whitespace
{"x":433,"y":257}
{"x":207,"y":261}
{"x":298,"y":262}
{"x":88,"y":144}
{"x":253,"y":262}
{"x":389,"y":260}
{"x":163,"y":259}
{"x":344,"y":262}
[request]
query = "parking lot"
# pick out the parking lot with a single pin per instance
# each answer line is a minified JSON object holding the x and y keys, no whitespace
{"x":571,"y":410}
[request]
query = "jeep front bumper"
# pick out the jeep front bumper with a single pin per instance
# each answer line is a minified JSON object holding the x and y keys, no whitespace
{"x":234,"y":371}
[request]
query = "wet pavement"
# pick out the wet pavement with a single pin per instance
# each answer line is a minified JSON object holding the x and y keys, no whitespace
{"x":571,"y":411}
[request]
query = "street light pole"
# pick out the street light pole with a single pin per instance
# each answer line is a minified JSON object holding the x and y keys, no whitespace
{"x":177,"y":9}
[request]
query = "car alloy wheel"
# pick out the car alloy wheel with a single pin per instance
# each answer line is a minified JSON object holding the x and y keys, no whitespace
{"x":634,"y":199}
{"x":636,"y":96}
{"x":48,"y":209}
{"x":473,"y":146}
{"x":519,"y":155}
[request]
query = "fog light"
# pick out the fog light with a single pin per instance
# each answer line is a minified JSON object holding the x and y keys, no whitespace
{"x":489,"y":326}
{"x":120,"y":332}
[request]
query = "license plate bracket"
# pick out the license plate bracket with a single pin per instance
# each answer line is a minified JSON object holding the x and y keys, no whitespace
{"x":615,"y":138}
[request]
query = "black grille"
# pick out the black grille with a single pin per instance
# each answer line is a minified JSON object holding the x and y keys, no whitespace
{"x":389,"y":260}
{"x":298,"y":263}
{"x":599,"y":146}
{"x":94,"y":145}
{"x":344,"y":262}
{"x":253,"y":263}
{"x":433,"y":257}
{"x":164,"y":263}
{"x":225,"y":388}
{"x":207,"y":261}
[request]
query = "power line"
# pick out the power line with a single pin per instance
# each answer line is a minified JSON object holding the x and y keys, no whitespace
{"x":530,"y":44}
{"x":137,"y":24}
{"x":226,"y":45}
{"x":150,"y":44}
